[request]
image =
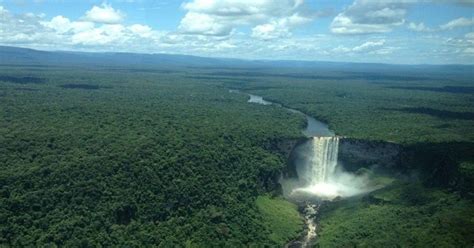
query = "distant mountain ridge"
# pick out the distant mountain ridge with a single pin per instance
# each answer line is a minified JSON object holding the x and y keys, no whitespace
{"x":24,"y":56}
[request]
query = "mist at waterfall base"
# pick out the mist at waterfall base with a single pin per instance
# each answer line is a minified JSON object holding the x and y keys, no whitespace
{"x":320,"y":176}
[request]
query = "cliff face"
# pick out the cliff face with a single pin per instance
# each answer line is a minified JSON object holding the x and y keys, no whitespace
{"x":285,"y":147}
{"x":435,"y":164}
{"x":355,"y":153}
{"x":269,"y":180}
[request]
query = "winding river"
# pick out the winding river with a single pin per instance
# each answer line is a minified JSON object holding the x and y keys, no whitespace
{"x":314,"y":128}
{"x":319,"y":179}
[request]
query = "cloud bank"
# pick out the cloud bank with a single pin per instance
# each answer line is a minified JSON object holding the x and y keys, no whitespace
{"x":256,"y":29}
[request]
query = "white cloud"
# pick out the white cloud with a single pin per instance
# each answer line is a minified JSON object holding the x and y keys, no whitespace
{"x":457,"y":23}
{"x":470,"y":37}
{"x":62,"y":25}
{"x":384,"y":51}
{"x":420,"y":27}
{"x":104,"y":14}
{"x":270,"y":31}
{"x":297,"y":19}
{"x":105,"y":34}
{"x":62,"y":33}
{"x":243,"y":8}
{"x":216,"y":29}
{"x":269,"y":18}
{"x":469,"y":51}
{"x":278,"y":28}
{"x":341,"y":49}
{"x":366,"y":16}
{"x":141,"y":30}
{"x":369,"y":45}
{"x":198,"y":23}
{"x":90,"y":37}
{"x":468,"y":44}
{"x":21,"y":28}
{"x":344,"y":25}
{"x":462,"y":45}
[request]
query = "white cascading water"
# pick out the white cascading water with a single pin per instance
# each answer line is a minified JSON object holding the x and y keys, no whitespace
{"x":318,"y":175}
{"x":324,"y":160}
{"x":319,"y":172}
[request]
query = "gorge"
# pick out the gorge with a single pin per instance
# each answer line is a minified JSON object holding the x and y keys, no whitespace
{"x":319,"y":177}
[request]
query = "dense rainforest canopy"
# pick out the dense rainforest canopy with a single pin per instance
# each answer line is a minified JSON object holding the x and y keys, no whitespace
{"x":169,"y":157}
{"x":429,"y":114}
{"x":122,"y":158}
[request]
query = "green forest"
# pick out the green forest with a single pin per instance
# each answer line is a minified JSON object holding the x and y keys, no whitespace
{"x":127,"y":157}
{"x":429,"y":201}
{"x":95,"y":158}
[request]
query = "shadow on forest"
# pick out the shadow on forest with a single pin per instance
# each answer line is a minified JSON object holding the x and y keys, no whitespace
{"x":442,"y":114}
{"x":447,"y":89}
{"x":439,"y":162}
{"x":80,"y":86}
{"x":22,"y":80}
{"x":316,"y":76}
{"x":219,"y":79}
{"x":137,"y":70}
{"x":26,"y":89}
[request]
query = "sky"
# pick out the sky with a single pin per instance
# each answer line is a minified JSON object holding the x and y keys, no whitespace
{"x":385,"y":31}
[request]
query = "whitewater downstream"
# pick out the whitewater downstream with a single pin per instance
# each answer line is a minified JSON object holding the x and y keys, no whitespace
{"x":318,"y":131}
{"x":319,"y":176}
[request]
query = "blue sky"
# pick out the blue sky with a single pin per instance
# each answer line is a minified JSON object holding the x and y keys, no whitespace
{"x":387,"y":31}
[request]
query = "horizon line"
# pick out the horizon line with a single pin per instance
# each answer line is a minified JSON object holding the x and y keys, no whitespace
{"x":233,"y":58}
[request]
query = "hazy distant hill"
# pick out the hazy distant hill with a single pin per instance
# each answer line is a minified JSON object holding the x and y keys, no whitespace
{"x":24,"y":56}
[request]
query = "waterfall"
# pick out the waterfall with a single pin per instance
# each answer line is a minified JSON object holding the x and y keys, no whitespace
{"x":317,"y":175}
{"x":324,"y":159}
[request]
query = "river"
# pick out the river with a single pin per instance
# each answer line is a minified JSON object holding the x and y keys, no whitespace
{"x":310,"y":210}
{"x":313,"y":126}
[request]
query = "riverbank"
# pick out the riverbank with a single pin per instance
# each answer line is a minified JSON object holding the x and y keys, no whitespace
{"x":277,"y":217}
{"x":406,"y":211}
{"x":281,"y":217}
{"x":356,"y":155}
